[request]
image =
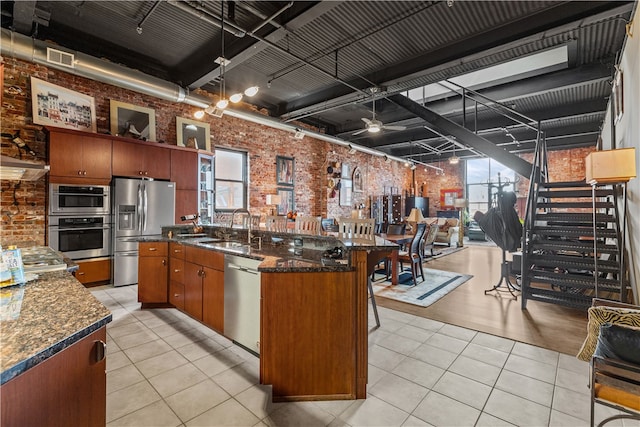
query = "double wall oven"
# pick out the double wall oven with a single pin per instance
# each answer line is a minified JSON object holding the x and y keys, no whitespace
{"x":80,"y":220}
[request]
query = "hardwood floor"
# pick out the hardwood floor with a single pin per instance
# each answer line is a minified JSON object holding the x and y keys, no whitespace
{"x":546,"y":325}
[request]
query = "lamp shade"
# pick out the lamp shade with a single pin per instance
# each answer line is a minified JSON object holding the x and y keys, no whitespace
{"x":610,"y":166}
{"x":273,"y":199}
{"x":460,"y":203}
{"x":415,"y":215}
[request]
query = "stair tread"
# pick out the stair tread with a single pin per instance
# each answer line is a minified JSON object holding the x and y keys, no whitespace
{"x":575,"y":193}
{"x":574,"y":231}
{"x":575,"y":261}
{"x":586,"y":205}
{"x":569,"y":216}
{"x":564,"y":184}
{"x":577,"y":246}
{"x":575,"y":280}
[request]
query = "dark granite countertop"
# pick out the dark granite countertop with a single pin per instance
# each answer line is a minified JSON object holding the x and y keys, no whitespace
{"x":56,"y":311}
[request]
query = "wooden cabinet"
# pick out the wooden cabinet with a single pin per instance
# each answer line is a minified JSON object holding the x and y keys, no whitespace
{"x":176,"y":275}
{"x":204,"y":286}
{"x":140,"y":159}
{"x":308,"y":335}
{"x":93,"y":271}
{"x":79,"y":158}
{"x":67,"y":389}
{"x":186,"y":204}
{"x":153,"y":273}
{"x":184,"y":169}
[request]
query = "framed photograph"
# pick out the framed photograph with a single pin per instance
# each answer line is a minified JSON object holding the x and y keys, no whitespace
{"x":53,"y":105}
{"x":286,"y":201}
{"x":357,"y":180}
{"x":346,"y":188}
{"x":284,"y":170}
{"x":132,"y":121}
{"x":193,"y":134}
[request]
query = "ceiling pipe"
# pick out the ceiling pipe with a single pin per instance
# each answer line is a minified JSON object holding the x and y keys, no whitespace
{"x":25,"y":48}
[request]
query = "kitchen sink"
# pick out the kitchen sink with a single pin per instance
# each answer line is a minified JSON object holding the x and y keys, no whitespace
{"x":231,"y":245}
{"x":204,"y":240}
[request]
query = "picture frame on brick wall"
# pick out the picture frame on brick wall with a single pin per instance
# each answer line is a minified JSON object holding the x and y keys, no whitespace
{"x":193,"y":134}
{"x":287,"y":202}
{"x":132,"y":121}
{"x":285,"y":170}
{"x":54,"y":105}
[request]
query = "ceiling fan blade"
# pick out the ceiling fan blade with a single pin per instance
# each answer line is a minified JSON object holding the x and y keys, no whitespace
{"x":367,"y":121}
{"x":391,"y":127}
{"x":358,"y":132}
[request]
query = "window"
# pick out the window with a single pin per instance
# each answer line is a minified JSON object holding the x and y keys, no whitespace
{"x":230,"y":180}
{"x":480,"y":173}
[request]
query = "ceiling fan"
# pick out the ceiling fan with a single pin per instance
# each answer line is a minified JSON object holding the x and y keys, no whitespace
{"x":373,"y":125}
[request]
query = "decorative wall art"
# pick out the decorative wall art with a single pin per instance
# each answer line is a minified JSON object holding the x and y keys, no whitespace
{"x":132,"y":121}
{"x":357,"y":180}
{"x":449,"y":196}
{"x":345,"y":171}
{"x":53,"y":105}
{"x":284,"y":170}
{"x":286,"y":201}
{"x":346,"y":189}
{"x":193,"y":134}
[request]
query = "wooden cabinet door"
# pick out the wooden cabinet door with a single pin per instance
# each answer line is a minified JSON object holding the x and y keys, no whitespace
{"x":152,"y":279}
{"x":79,"y":156}
{"x":176,"y":295}
{"x":186,"y":203}
{"x":213,"y":299}
{"x":157,"y":162}
{"x":93,"y":271}
{"x":67,"y":389}
{"x":193,"y":289}
{"x":127,"y":159}
{"x":184,"y":169}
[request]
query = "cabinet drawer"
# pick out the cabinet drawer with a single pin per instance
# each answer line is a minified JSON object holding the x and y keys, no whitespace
{"x":152,"y":249}
{"x":92,"y":271}
{"x":205,"y":257}
{"x":176,"y":294}
{"x":176,"y":270}
{"x":176,"y":250}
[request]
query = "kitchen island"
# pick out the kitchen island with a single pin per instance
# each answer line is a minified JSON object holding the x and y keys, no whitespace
{"x":52,"y":354}
{"x":313,"y":320}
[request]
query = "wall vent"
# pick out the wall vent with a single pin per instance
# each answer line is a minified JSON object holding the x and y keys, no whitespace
{"x":59,"y":57}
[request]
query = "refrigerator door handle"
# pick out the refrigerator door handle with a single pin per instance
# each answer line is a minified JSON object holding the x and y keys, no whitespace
{"x":139,"y":207}
{"x":145,"y":207}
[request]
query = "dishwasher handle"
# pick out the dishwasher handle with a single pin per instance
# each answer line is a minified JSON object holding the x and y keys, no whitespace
{"x":241,"y":268}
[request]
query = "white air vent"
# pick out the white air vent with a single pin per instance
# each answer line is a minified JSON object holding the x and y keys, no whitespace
{"x":59,"y":57}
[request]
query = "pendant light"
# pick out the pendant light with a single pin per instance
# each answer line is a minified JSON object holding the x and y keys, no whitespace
{"x":223,"y":102}
{"x":454,"y":160}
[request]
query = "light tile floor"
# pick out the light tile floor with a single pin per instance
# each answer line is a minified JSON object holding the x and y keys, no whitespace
{"x":166,"y":369}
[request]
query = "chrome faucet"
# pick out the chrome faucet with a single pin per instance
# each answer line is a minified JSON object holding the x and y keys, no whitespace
{"x":250,"y":237}
{"x":233,"y":214}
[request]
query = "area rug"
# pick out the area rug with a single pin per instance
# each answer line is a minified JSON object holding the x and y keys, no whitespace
{"x":437,"y":284}
{"x":441,"y":251}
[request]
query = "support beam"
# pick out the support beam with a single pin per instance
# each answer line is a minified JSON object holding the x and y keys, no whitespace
{"x":465,"y":136}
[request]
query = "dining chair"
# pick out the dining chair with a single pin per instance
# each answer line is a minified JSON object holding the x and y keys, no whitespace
{"x":308,"y":224}
{"x":276,"y":223}
{"x":254,"y":220}
{"x":428,"y":240}
{"x":413,"y":254}
{"x":395,"y":229}
{"x":356,"y":230}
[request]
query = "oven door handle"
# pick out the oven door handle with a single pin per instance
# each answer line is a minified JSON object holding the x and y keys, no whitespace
{"x":106,"y":227}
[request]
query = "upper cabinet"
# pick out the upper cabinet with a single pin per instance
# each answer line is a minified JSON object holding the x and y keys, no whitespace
{"x":184,"y":169}
{"x":77,"y":157}
{"x":141,"y":160}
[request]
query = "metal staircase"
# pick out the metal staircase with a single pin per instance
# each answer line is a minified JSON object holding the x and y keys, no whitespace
{"x":559,"y":265}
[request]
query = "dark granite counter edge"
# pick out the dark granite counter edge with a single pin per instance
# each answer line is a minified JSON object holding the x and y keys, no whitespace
{"x":14,"y":371}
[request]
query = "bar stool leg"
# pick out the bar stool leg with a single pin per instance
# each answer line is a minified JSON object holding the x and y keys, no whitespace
{"x":373,"y":301}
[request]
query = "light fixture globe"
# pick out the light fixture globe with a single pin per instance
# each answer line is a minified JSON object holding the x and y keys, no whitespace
{"x":374,"y":128}
{"x":199,"y":114}
{"x":222,"y":104}
{"x":251,"y":91}
{"x":454,"y":160}
{"x":235,"y":98}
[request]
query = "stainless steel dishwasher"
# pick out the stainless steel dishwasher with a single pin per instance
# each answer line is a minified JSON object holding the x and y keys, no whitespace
{"x":242,"y":301}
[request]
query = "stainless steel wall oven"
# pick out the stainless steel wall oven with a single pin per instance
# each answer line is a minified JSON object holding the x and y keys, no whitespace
{"x":79,"y":237}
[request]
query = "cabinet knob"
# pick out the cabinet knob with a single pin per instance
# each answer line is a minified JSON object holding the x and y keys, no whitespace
{"x":146,"y":173}
{"x":176,"y":295}
{"x":79,"y":172}
{"x":177,"y":251}
{"x":164,"y":262}
{"x":140,"y":173}
{"x":84,"y":172}
{"x":80,"y":273}
{"x":204,"y":273}
{"x":177,"y":270}
{"x":153,"y":249}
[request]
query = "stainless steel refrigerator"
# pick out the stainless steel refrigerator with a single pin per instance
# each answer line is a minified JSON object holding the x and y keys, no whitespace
{"x":140,"y":209}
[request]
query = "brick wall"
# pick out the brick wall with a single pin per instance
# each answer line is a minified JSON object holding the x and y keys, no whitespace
{"x":23,"y":203}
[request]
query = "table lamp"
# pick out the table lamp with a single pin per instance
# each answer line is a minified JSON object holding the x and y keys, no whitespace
{"x":460,"y":204}
{"x":273,"y":200}
{"x":415,"y":216}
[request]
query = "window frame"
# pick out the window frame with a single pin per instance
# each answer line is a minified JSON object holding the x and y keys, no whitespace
{"x":244,"y":181}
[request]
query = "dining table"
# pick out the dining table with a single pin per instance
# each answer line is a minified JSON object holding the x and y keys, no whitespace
{"x":401,"y":240}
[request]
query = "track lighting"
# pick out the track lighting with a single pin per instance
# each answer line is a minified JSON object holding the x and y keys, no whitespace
{"x":413,"y":166}
{"x":387,"y":159}
{"x":235,"y":98}
{"x":222,"y":104}
{"x":454,"y":160}
{"x":299,"y":134}
{"x":198,"y":114}
{"x":251,"y":91}
{"x":351,"y":149}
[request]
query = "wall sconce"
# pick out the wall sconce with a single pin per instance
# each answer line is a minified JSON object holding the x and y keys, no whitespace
{"x":299,"y":134}
{"x":273,"y":200}
{"x":610,"y":166}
